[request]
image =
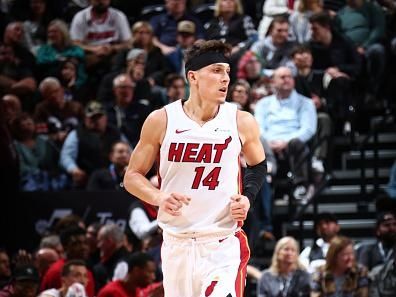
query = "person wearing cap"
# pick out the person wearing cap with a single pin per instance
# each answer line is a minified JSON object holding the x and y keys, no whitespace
{"x":87,"y":147}
{"x":165,"y":25}
{"x":197,"y":143}
{"x":326,"y":228}
{"x":24,"y":282}
{"x":186,"y":36}
{"x":381,"y":251}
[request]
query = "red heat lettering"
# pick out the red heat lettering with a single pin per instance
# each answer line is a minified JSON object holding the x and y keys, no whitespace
{"x":190,"y":152}
{"x":220,"y":148}
{"x":175,"y":152}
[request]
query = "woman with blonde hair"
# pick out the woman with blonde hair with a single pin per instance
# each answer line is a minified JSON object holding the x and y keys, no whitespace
{"x":59,"y":47}
{"x":299,"y":26}
{"x":231,"y":25}
{"x":286,"y":277}
{"x":142,"y":37}
{"x":341,"y":276}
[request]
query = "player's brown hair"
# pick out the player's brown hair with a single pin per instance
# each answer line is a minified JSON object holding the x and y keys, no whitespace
{"x":200,"y":47}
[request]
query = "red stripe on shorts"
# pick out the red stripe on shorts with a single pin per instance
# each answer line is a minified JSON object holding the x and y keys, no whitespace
{"x":245,"y":255}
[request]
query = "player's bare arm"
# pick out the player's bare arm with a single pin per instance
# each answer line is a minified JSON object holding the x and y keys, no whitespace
{"x":143,"y":158}
{"x":253,"y":152}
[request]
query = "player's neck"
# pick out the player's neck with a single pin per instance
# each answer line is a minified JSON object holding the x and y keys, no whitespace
{"x":200,"y":111}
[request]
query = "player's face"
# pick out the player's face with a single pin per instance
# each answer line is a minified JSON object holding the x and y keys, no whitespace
{"x":213,"y":81}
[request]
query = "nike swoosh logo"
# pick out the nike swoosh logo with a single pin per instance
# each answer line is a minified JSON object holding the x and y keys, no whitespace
{"x":181,"y":131}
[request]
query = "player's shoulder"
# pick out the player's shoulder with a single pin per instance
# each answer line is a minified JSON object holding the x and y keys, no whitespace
{"x":244,"y":118}
{"x":156,"y":118}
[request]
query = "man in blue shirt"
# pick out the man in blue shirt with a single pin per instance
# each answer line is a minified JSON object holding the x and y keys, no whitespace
{"x":287,"y":122}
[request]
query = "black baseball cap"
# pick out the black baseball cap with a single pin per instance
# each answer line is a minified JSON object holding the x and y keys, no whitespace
{"x":26,"y":272}
{"x":94,"y":108}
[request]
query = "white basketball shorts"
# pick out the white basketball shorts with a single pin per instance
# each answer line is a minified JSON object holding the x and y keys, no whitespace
{"x":206,"y":266}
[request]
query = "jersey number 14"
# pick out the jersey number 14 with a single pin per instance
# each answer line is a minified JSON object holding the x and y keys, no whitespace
{"x":211,"y":180}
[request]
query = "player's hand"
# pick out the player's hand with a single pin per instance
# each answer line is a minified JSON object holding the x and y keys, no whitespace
{"x":172,"y":203}
{"x":239,"y":207}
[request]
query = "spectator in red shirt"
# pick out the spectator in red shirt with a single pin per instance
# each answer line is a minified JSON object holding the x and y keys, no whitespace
{"x":138,"y":282}
{"x":75,"y":244}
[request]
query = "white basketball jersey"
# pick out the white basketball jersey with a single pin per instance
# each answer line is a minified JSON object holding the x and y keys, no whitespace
{"x":201,"y":162}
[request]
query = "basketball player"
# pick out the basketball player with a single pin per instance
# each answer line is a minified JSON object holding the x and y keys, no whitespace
{"x":201,"y":203}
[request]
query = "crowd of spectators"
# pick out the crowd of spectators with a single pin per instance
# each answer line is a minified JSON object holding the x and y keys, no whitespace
{"x":78,"y":79}
{"x":102,"y":260}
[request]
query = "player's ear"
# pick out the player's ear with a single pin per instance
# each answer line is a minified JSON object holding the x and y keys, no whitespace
{"x":191,"y":76}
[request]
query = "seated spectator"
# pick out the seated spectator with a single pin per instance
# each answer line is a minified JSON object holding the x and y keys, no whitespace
{"x":175,"y":85}
{"x":127,"y":112}
{"x":35,"y":25}
{"x":383,"y":278}
{"x":101,"y":31}
{"x":143,"y":226}
{"x":87,"y":147}
{"x":142,"y":36}
{"x":231,"y":25}
{"x":381,"y":251}
{"x":341,"y":275}
{"x":15,"y":76}
{"x":52,"y":242}
{"x":92,"y":239}
{"x":287,"y":122}
{"x":54,"y":105}
{"x":111,"y":178}
{"x":74,"y":280}
{"x":185,"y":38}
{"x":363,"y":22}
{"x":138,"y":281}
{"x":310,"y":84}
{"x":240,"y":95}
{"x":165,"y":25}
{"x":326,"y":228}
{"x":59,"y":47}
{"x":44,"y":258}
{"x":300,"y":29}
{"x":24,"y":283}
{"x":5,"y":271}
{"x":271,"y":10}
{"x":68,"y":77}
{"x":286,"y":276}
{"x":112,"y":253}
{"x":12,"y":107}
{"x":134,"y":66}
{"x":38,"y":159}
{"x":13,"y":36}
{"x":75,"y":244}
{"x":249,"y":67}
{"x":274,"y":50}
{"x":339,"y":62}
